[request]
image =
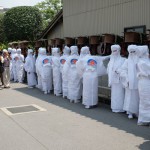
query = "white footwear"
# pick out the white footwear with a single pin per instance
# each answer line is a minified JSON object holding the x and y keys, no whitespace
{"x":48,"y":91}
{"x":45,"y":92}
{"x":76,"y":101}
{"x":130,"y":116}
{"x":71,"y":101}
{"x":87,"y":107}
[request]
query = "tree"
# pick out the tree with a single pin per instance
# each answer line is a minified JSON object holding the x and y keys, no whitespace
{"x":22,"y":23}
{"x":48,"y":9}
{"x":2,"y":35}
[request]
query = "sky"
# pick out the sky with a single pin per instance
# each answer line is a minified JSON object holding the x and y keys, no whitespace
{"x":13,"y":3}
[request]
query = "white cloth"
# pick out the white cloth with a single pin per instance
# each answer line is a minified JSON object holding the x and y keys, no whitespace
{"x":144,"y":85}
{"x":30,"y":69}
{"x":38,"y":66}
{"x":117,"y":90}
{"x":128,"y":73}
{"x":46,"y":74}
{"x":90,"y":68}
{"x":73,"y":78}
{"x":20,"y":67}
{"x":57,"y":79}
{"x":66,"y":53}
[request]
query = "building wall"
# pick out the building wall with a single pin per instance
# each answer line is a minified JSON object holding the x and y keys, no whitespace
{"x":56,"y":32}
{"x":92,"y":17}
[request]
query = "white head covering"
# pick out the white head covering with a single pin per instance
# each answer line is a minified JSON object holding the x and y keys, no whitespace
{"x":132,"y":66}
{"x":43,"y":51}
{"x":143,"y":51}
{"x":66,"y":50}
{"x":30,"y":51}
{"x":55,"y":51}
{"x":18,"y":51}
{"x":84,"y":51}
{"x":115,"y":50}
{"x":9,"y":49}
{"x":13,"y":51}
{"x":74,"y":50}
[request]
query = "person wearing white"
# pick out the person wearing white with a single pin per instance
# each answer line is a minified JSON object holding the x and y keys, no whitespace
{"x":90,"y":68}
{"x":38,"y":66}
{"x":117,"y":89}
{"x":74,"y":80}
{"x":63,"y":58}
{"x":30,"y":69}
{"x":144,"y":85}
{"x":20,"y":66}
{"x":46,"y":72}
{"x":57,"y":79}
{"x":129,"y":79}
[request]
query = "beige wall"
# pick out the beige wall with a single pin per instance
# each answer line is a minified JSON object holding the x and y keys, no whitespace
{"x":56,"y":32}
{"x":92,"y":17}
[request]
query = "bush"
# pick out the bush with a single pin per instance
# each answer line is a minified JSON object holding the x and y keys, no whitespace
{"x":22,"y":23}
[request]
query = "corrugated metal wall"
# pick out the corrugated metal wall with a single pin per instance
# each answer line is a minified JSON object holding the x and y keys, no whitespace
{"x":56,"y":32}
{"x":92,"y":17}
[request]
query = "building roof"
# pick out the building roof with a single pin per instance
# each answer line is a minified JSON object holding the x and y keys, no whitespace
{"x":56,"y":19}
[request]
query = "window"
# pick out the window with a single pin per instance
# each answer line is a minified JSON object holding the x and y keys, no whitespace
{"x":140,"y":29}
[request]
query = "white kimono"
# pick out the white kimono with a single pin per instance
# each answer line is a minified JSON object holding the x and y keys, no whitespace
{"x":90,"y":69}
{"x":66,"y":53}
{"x":129,"y":79}
{"x":117,"y":89}
{"x":57,"y":79}
{"x":74,"y":80}
{"x":20,"y":66}
{"x":38,"y":66}
{"x":144,"y":86}
{"x":30,"y":69}
{"x":46,"y":74}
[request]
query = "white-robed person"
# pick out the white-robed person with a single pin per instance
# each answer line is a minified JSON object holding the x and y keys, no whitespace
{"x":46,"y":72}
{"x":38,"y":66}
{"x":117,"y":89}
{"x":30,"y":69}
{"x":57,"y":79}
{"x":63,"y":58}
{"x":129,"y":79}
{"x":20,"y":66}
{"x":90,"y":68}
{"x":144,"y":85}
{"x":74,"y":80}
{"x":14,"y":60}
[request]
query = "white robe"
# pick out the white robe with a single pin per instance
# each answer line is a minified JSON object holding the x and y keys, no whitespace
{"x":30,"y":69}
{"x":64,"y":79}
{"x":73,"y":78}
{"x":129,"y":80}
{"x":144,"y":91}
{"x":20,"y":67}
{"x":90,"y":68}
{"x":38,"y":66}
{"x":46,"y":74}
{"x":57,"y":79}
{"x":14,"y":69}
{"x":117,"y":90}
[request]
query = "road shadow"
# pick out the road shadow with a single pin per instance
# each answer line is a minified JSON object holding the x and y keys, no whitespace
{"x":102,"y":113}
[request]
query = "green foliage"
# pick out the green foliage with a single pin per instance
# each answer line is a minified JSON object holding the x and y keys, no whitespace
{"x":48,"y":9}
{"x":2,"y":35}
{"x":22,"y":23}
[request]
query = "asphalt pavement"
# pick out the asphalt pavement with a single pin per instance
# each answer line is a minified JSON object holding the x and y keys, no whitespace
{"x":64,"y":125}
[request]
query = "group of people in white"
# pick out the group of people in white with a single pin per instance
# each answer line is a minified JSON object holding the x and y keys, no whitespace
{"x":75,"y":76}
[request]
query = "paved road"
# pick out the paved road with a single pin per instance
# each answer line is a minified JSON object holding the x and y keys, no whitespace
{"x":65,"y":126}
